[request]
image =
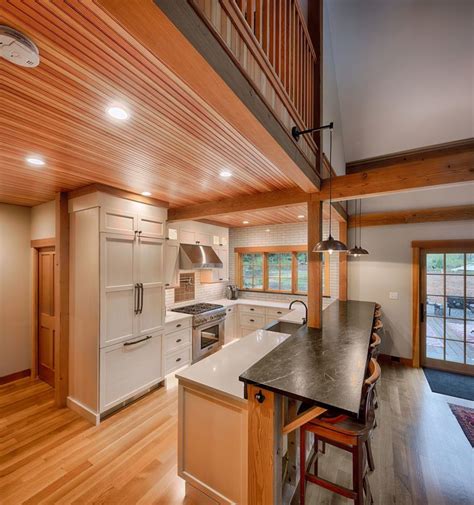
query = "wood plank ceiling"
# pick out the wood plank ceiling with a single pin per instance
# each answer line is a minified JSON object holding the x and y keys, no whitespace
{"x":173,"y":145}
{"x":269,"y":216}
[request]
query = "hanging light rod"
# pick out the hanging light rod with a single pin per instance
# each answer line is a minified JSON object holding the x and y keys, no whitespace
{"x":296,"y":132}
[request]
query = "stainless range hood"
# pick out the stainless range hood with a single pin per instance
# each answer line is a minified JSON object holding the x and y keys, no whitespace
{"x":193,"y":256}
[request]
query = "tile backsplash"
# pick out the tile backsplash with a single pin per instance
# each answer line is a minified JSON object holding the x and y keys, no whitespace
{"x":202,"y":292}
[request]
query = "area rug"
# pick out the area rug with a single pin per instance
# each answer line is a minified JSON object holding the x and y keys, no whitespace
{"x":451,"y":384}
{"x":465,"y":417}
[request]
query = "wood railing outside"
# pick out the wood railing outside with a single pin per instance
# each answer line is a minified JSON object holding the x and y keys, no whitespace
{"x":270,"y":42}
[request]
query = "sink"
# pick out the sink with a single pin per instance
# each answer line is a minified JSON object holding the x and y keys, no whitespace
{"x":283,"y":327}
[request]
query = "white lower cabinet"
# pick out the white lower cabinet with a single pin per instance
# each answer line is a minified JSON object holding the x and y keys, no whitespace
{"x":177,"y":347}
{"x":230,"y":328}
{"x":129,"y":368}
{"x":177,"y":359}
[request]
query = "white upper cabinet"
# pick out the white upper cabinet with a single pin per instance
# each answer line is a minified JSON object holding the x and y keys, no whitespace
{"x":171,"y":259}
{"x":131,"y":223}
{"x":118,"y":221}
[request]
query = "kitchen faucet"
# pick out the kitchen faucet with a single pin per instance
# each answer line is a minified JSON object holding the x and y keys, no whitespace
{"x":305,"y":319}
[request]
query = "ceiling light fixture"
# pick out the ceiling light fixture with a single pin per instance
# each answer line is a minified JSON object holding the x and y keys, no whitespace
{"x":267,"y":230}
{"x":301,"y":216}
{"x":117,"y":112}
{"x":35,"y":161}
{"x":245,"y":222}
{"x":225,"y":174}
{"x":146,"y":193}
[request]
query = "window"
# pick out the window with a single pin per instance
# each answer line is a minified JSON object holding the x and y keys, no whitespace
{"x":278,"y":269}
{"x":251,"y":271}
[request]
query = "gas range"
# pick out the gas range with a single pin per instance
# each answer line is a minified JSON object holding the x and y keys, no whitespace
{"x":202,"y":313}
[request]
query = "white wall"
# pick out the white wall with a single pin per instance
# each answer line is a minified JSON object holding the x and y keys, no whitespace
{"x":279,"y":234}
{"x":43,"y":220}
{"x":405,"y":73}
{"x":15,"y":289}
{"x":388,"y":268}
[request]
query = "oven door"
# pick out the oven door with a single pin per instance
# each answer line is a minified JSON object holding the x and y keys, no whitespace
{"x":207,"y":339}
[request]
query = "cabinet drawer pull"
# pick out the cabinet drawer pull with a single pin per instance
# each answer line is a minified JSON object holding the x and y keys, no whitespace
{"x":178,"y":359}
{"x":178,"y":325}
{"x":252,"y":320}
{"x":167,"y":284}
{"x":138,"y":341}
{"x":279,"y":312}
{"x":178,"y":341}
{"x":198,"y":242}
{"x":252,"y":310}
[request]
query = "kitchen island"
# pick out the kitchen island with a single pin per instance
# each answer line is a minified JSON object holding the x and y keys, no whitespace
{"x":230,"y":437}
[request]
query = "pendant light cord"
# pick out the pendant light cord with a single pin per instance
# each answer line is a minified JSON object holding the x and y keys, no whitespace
{"x":330,"y":180}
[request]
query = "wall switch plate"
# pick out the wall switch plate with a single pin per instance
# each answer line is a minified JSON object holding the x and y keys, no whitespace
{"x":393,"y":295}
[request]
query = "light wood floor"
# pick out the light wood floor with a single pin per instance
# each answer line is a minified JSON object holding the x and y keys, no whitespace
{"x":53,"y":456}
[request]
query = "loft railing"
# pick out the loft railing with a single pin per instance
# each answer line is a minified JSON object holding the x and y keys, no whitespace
{"x":270,"y":42}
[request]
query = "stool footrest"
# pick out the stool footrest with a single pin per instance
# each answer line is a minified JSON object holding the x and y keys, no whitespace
{"x":344,"y":491}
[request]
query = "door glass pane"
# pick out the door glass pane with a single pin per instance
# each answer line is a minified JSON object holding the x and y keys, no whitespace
{"x":435,"y":327}
{"x":435,"y":263}
{"x":455,"y":285}
{"x":435,"y":306}
{"x":455,"y":351}
{"x":470,"y":331}
{"x":455,"y":306}
{"x":470,"y":287}
{"x":455,"y":263}
{"x":470,"y":264}
{"x":455,"y":329}
{"x":470,"y":354}
{"x":435,"y":348}
{"x":435,"y":284}
{"x":302,"y":270}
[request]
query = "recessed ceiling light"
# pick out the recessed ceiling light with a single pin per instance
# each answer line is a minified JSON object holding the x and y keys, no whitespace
{"x":146,"y":193}
{"x":36,"y":161}
{"x":117,"y":112}
{"x":225,"y":174}
{"x":267,"y":230}
{"x":301,"y":216}
{"x":245,"y":222}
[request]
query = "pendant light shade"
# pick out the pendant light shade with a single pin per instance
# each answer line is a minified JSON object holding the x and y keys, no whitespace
{"x":330,"y":245}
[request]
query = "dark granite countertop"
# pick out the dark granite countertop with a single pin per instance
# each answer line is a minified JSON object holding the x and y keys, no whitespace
{"x":321,"y":366}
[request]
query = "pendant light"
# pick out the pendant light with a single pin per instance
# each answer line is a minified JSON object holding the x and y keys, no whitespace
{"x":330,"y":245}
{"x":358,"y":250}
{"x":354,"y":251}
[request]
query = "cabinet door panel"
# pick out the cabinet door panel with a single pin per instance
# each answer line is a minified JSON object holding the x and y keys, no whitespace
{"x":118,"y":221}
{"x":171,"y":264}
{"x":150,"y":274}
{"x":151,"y":227}
{"x":117,"y":288}
{"x":187,"y":236}
{"x":152,"y":316}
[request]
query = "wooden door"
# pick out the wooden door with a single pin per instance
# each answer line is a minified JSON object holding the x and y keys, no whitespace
{"x":149,"y":265}
{"x":46,"y":315}
{"x":447,"y":310}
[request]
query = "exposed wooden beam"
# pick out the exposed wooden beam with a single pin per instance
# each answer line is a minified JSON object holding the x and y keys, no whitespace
{"x":458,"y":213}
{"x":243,"y":203}
{"x":413,"y":155}
{"x":315,"y":290}
{"x":173,"y":32}
{"x":61,"y":302}
{"x":445,"y":169}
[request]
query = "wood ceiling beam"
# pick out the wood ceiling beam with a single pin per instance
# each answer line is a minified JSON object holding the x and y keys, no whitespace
{"x":412,"y":155}
{"x":445,"y":168}
{"x":240,"y":204}
{"x":174,"y":33}
{"x":458,"y":213}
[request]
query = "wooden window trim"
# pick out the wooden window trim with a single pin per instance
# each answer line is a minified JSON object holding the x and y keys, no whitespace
{"x":293,"y":249}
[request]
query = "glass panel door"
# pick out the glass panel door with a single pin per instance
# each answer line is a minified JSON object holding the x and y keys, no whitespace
{"x":448,"y":311}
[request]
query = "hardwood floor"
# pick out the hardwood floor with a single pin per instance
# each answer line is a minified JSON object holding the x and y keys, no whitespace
{"x":53,"y":456}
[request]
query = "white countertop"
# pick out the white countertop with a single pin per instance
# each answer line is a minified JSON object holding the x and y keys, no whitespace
{"x":220,"y":371}
{"x":171,"y":317}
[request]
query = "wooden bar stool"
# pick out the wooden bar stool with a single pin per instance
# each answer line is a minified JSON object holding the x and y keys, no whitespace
{"x":347,"y":434}
{"x":378,"y":306}
{"x":377,"y":314}
{"x":378,"y":325}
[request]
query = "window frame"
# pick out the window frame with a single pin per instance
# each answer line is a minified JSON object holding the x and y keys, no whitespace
{"x":265,"y":251}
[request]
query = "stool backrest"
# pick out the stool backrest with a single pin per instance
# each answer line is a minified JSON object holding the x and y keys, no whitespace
{"x":367,"y":405}
{"x":375,"y":341}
